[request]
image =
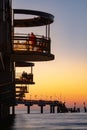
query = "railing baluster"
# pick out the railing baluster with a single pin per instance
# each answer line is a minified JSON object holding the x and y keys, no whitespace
{"x":21,"y":43}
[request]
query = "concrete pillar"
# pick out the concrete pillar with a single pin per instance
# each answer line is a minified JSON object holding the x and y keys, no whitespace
{"x":50,"y":108}
{"x":28,"y":109}
{"x":53,"y":108}
{"x":85,"y":109}
{"x":13,"y":110}
{"x":41,"y":108}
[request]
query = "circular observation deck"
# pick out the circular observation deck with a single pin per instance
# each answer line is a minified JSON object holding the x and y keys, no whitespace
{"x":25,"y":49}
{"x":41,"y":18}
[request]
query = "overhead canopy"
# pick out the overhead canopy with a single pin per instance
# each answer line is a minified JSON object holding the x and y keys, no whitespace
{"x":41,"y":18}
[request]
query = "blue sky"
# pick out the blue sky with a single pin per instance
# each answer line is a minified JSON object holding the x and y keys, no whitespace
{"x":69,"y":41}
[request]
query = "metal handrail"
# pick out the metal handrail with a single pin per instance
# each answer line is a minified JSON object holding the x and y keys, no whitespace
{"x":23,"y":43}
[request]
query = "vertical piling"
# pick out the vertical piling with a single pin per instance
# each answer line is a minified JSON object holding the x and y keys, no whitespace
{"x":41,"y":108}
{"x":53,"y":109}
{"x":13,"y":110}
{"x":85,"y":109}
{"x":50,"y":108}
{"x":28,"y":109}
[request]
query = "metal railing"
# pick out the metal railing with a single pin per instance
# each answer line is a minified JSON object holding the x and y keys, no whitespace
{"x":24,"y":77}
{"x":23,"y":42}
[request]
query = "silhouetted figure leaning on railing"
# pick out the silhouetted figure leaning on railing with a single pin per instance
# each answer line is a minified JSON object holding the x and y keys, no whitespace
{"x":27,"y":77}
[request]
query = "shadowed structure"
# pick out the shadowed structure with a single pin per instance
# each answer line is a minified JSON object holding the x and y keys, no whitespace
{"x":17,"y":50}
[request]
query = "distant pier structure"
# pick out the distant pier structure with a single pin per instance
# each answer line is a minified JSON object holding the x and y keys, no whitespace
{"x":60,"y":106}
{"x":19,"y":50}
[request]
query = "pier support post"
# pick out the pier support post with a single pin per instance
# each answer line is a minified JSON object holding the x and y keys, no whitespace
{"x":41,"y":109}
{"x":13,"y":110}
{"x":85,"y":109}
{"x":28,"y":104}
{"x":53,"y":109}
{"x":28,"y":109}
{"x":50,"y":108}
{"x":41,"y":104}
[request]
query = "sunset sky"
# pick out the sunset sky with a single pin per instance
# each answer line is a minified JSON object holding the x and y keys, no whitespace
{"x":64,"y":78}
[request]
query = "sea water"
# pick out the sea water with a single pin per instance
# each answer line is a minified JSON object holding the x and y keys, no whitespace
{"x":59,"y":121}
{"x":47,"y":121}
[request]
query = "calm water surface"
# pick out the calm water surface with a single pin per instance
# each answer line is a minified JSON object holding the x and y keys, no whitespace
{"x":50,"y":121}
{"x":47,"y":121}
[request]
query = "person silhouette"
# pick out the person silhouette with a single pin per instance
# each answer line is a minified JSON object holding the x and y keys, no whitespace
{"x":32,"y":41}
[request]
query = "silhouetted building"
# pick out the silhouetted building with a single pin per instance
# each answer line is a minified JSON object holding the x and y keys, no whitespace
{"x":16,"y":48}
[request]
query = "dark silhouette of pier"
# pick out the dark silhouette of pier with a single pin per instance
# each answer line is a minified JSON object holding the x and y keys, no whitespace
{"x":85,"y":108}
{"x":54,"y":105}
{"x":16,"y":50}
{"x":61,"y":107}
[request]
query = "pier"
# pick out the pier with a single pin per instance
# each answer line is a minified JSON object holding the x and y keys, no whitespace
{"x":61,"y":107}
{"x":54,"y":106}
{"x":18,"y":50}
